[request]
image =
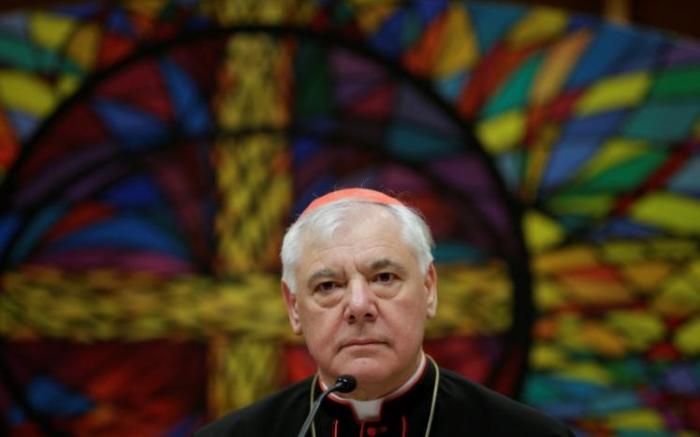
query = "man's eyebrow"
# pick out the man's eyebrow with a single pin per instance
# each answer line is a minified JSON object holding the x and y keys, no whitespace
{"x":384,"y":263}
{"x":323,"y":273}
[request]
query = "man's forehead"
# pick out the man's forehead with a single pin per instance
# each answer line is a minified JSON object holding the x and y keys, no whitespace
{"x":367,"y":228}
{"x":369,"y":265}
{"x":357,"y":219}
{"x":330,"y":268}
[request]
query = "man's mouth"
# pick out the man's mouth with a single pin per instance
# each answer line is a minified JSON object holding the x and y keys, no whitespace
{"x":363,"y":342}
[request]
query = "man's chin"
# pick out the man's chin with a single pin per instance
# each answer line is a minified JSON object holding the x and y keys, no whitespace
{"x":368,"y":370}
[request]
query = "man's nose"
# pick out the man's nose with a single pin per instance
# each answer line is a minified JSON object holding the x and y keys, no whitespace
{"x":361,"y":303}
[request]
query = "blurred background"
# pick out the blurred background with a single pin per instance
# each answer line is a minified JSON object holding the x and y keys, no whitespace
{"x":152,"y":153}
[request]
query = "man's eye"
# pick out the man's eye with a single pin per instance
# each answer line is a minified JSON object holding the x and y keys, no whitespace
{"x":326,"y":286}
{"x":385,"y":277}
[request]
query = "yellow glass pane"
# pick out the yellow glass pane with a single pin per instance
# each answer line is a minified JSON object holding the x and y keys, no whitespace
{"x":540,"y":25}
{"x":590,"y":372}
{"x":26,"y":92}
{"x":669,"y":211}
{"x":613,"y":152}
{"x":67,"y":85}
{"x":458,"y":49}
{"x":373,"y":14}
{"x":671,"y":249}
{"x":595,"y":291}
{"x":83,"y":46}
{"x":50,"y":30}
{"x":619,"y":252}
{"x":149,"y":8}
{"x":594,"y":205}
{"x":647,"y":276}
{"x":572,"y":257}
{"x":549,"y":295}
{"x":538,"y":159}
{"x":602,"y":340}
{"x":541,"y":232}
{"x":548,"y":357}
{"x":638,"y":329}
{"x":687,"y":338}
{"x":640,"y":420}
{"x":503,"y":132}
{"x":679,"y":297}
{"x":557,"y":66}
{"x":613,"y":93}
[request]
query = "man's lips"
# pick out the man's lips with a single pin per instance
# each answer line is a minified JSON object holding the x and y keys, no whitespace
{"x":362,"y":342}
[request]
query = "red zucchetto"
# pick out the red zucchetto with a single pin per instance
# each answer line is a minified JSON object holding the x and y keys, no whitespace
{"x":352,"y":193}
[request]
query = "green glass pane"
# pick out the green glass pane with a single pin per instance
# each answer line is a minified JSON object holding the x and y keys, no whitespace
{"x":415,"y":144}
{"x":514,"y":93}
{"x":594,"y":205}
{"x":574,"y":222}
{"x":510,"y":165}
{"x":681,"y":82}
{"x":411,"y":30}
{"x":622,"y":177}
{"x":452,"y":251}
{"x":313,"y":84}
{"x":343,"y":14}
{"x":663,"y":121}
{"x":22,"y":55}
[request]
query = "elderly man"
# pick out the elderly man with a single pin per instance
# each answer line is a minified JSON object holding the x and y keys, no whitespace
{"x":359,"y":284}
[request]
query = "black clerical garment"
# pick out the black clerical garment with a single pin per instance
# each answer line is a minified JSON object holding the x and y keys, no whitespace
{"x":462,"y":408}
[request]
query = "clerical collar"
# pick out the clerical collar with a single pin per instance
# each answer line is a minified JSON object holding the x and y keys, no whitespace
{"x":371,"y":409}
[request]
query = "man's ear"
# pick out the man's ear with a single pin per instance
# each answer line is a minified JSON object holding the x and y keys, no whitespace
{"x":430,"y":283}
{"x":290,"y":300}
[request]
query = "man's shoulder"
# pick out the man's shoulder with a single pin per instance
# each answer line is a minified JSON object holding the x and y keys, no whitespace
{"x":281,"y":413}
{"x":481,"y":407}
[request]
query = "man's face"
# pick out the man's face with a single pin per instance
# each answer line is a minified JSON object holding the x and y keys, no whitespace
{"x":362,"y":303}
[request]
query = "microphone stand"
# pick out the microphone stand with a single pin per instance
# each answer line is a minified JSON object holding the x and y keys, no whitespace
{"x":344,"y":384}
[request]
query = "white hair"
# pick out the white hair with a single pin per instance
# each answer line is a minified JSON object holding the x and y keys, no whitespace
{"x":325,"y":220}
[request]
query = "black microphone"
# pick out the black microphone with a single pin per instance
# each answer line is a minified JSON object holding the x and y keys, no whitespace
{"x":343,"y":384}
